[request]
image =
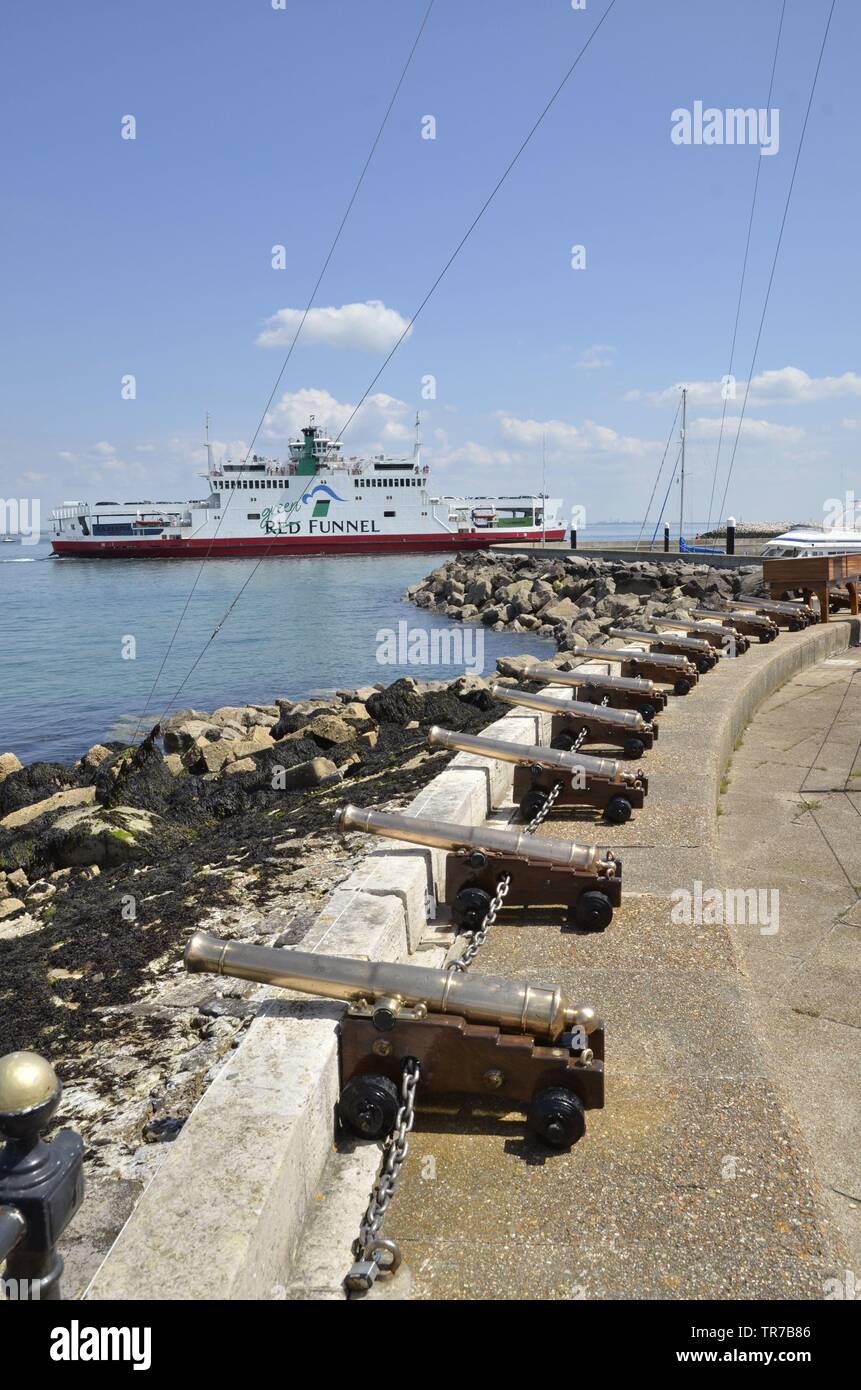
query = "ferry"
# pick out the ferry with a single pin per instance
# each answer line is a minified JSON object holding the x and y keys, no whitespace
{"x":316,"y":502}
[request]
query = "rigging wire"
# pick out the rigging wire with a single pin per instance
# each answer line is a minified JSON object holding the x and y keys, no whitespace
{"x":473,"y":224}
{"x":658,"y":476}
{"x":744,"y":271}
{"x":289,"y":354}
{"x":666,"y":497}
{"x":777,"y":253}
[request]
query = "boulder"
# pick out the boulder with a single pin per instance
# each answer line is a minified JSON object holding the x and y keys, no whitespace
{"x":135,"y":777}
{"x":73,"y":796}
{"x":515,"y":665}
{"x":310,"y":774}
{"x":33,"y":783}
{"x":245,"y":747}
{"x":180,"y":737}
{"x":397,"y":704}
{"x":8,"y":763}
{"x":10,"y":907}
{"x":241,"y":765}
{"x":355,"y":712}
{"x":588,"y":629}
{"x":18,"y":879}
{"x":329,"y":729}
{"x":617,"y":606}
{"x":479,"y":592}
{"x":100,"y":835}
{"x":206,"y":757}
{"x":561,"y":611}
{"x":182,"y":716}
{"x":95,"y":756}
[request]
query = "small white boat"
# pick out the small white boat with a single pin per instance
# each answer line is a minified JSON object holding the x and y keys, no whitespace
{"x":812,"y":540}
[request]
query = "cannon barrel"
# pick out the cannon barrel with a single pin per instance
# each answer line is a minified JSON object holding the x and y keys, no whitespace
{"x":717,"y":618}
{"x":691,"y":644}
{"x":762,"y":605}
{"x":513,"y":844}
{"x":619,"y":654}
{"x":637,"y":685}
{"x":526,"y":754}
{"x":511,"y":1004}
{"x":694,"y":625}
{"x":624,"y":718}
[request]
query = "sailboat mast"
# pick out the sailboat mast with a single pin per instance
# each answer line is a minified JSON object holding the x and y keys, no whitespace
{"x":543,"y":489}
{"x":682,"y":488}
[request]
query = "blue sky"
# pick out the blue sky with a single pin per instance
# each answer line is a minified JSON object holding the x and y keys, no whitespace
{"x":153,"y":256}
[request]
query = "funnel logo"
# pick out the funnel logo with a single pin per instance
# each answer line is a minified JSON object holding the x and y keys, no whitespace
{"x":321,"y":508}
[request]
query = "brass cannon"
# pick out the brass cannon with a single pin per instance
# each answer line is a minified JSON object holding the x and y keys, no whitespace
{"x":723,"y":636}
{"x":478,"y":1035}
{"x":623,"y":728}
{"x":784,"y":612}
{"x":676,"y":671}
{"x":615,"y":692}
{"x":581,"y":780}
{"x":584,"y":879}
{"x":695,"y":649}
{"x":747,"y":624}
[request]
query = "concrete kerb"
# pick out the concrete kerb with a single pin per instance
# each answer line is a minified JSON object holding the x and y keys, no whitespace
{"x":223,"y":1216}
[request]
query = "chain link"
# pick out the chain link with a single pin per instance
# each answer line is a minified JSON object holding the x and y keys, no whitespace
{"x":478,"y":938}
{"x":545,"y":810}
{"x":394,"y":1156}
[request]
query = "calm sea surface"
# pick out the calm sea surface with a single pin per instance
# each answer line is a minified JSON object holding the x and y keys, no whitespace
{"x":303,"y":626}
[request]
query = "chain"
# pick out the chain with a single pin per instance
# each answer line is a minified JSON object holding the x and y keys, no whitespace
{"x":545,"y":810}
{"x":369,"y":1246}
{"x":478,"y":938}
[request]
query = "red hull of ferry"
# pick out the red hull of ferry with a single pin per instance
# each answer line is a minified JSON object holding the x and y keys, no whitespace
{"x":295,"y":545}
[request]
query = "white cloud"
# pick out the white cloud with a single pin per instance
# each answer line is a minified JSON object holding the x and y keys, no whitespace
{"x":104,"y":448}
{"x":382,"y":421}
{"x":371,"y":327}
{"x":752,"y":430}
{"x":564,"y":438}
{"x":599,"y":355}
{"x":469,"y":455}
{"x":786,"y":385}
{"x":67,"y":457}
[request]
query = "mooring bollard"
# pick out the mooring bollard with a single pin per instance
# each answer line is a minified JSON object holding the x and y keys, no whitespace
{"x":730,"y":535}
{"x":41,"y":1184}
{"x":666,"y":539}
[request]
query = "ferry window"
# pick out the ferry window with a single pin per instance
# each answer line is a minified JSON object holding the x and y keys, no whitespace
{"x":253,"y":516}
{"x":388,"y":513}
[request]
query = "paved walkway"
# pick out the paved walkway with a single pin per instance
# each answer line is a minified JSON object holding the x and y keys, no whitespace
{"x":792,"y":817}
{"x":696,"y":1181}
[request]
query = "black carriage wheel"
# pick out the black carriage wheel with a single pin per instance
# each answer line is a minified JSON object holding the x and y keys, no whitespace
{"x":557,"y":1116}
{"x":593,"y":912}
{"x":618,"y":810}
{"x":369,"y":1106}
{"x":469,"y":908}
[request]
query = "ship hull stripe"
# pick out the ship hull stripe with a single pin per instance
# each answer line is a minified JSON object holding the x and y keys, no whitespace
{"x":236,"y":546}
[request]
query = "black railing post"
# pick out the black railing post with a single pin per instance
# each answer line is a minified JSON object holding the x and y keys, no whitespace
{"x":41,"y":1185}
